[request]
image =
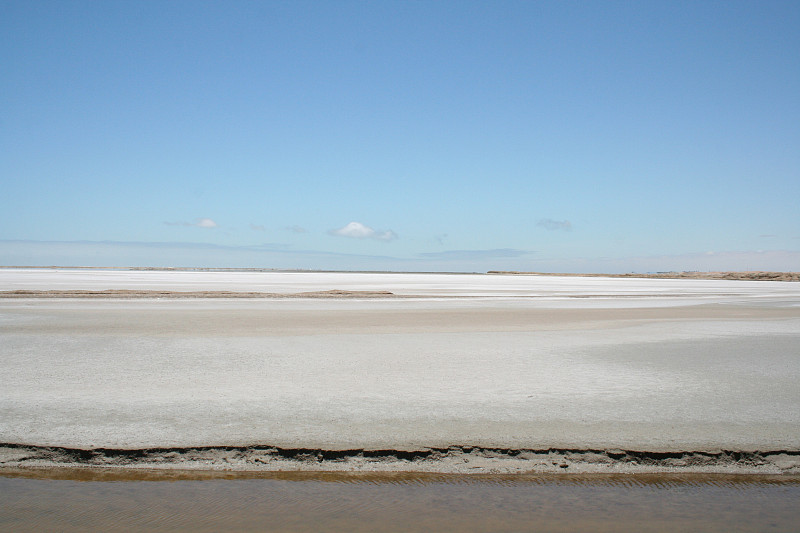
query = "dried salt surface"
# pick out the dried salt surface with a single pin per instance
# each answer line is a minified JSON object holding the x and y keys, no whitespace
{"x":693,"y":366}
{"x":431,"y":285}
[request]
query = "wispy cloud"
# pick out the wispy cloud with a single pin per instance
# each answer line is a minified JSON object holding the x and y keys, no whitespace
{"x":295,"y":229}
{"x":555,"y":225}
{"x":257,"y":227}
{"x":266,"y":246}
{"x":281,"y":256}
{"x":198,"y":223}
{"x":461,"y":255}
{"x":357,"y":230}
{"x":188,"y":254}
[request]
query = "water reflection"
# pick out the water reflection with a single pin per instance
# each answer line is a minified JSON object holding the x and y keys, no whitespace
{"x":81,"y":499}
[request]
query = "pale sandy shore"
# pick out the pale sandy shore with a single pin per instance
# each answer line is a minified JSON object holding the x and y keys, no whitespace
{"x":463,"y":373}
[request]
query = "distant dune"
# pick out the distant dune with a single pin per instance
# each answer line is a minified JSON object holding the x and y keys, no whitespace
{"x":755,"y":275}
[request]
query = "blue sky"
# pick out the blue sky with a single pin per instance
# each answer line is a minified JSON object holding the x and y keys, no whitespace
{"x":464,"y":136}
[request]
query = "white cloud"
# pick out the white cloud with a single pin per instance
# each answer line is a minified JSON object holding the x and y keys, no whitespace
{"x":257,"y":227}
{"x":357,"y":230}
{"x":354,"y":229}
{"x":296,"y":229}
{"x":205,"y":223}
{"x":555,"y":225}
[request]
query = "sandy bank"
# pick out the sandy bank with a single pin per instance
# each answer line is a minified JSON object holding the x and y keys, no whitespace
{"x":452,"y":460}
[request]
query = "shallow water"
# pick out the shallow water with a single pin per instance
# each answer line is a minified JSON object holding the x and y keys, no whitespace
{"x":78,"y":500}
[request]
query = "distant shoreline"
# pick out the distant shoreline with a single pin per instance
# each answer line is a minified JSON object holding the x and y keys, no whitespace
{"x":749,"y":275}
{"x":227,"y":269}
{"x":142,"y":294}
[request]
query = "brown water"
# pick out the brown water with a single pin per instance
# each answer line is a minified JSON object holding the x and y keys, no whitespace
{"x":79,"y":500}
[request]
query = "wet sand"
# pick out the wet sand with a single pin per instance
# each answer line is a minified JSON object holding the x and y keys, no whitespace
{"x":463,"y":374}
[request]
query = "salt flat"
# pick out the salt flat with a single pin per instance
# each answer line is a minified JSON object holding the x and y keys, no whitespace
{"x":398,"y":283}
{"x":493,"y":361}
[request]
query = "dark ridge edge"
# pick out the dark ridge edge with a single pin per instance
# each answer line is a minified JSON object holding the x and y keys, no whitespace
{"x":80,"y":455}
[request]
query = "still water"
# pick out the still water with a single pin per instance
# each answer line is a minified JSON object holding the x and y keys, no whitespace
{"x":80,"y":500}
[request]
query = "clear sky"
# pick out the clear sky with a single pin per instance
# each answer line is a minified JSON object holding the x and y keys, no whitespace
{"x":466,"y":136}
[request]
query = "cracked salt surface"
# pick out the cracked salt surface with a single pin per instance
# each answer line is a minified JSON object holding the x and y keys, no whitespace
{"x":661,"y":374}
{"x":429,"y":285}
